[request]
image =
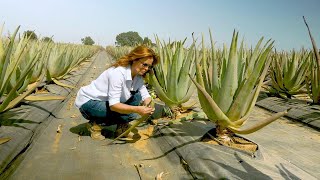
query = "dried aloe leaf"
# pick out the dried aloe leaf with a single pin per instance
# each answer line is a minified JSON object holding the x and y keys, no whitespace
{"x":4,"y":140}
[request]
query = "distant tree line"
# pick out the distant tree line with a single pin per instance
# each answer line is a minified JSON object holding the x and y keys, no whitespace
{"x":130,"y":38}
{"x":33,"y":36}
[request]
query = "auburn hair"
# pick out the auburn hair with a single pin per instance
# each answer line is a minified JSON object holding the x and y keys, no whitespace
{"x":136,"y":54}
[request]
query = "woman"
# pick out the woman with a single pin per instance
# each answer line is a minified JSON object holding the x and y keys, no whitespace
{"x":115,"y":96}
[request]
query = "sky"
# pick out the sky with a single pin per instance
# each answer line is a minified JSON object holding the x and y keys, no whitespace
{"x":102,"y":20}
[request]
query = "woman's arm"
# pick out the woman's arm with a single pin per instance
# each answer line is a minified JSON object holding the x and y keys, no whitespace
{"x":126,"y":109}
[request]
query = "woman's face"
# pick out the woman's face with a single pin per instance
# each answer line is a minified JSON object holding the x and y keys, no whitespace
{"x":141,"y":66}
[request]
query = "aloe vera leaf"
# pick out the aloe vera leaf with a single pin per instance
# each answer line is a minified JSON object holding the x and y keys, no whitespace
{"x":258,"y":125}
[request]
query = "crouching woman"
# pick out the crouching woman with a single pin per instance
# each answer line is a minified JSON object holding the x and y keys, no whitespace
{"x":116,"y":95}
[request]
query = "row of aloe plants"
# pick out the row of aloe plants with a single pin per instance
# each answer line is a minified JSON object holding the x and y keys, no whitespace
{"x":229,"y":80}
{"x":13,"y":79}
{"x":297,"y":72}
{"x":25,"y":63}
{"x":289,"y":72}
{"x":118,"y":52}
{"x":64,"y":58}
{"x":293,"y":74}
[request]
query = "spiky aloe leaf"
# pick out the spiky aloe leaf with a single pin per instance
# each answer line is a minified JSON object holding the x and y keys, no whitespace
{"x":314,"y":45}
{"x":215,"y":113}
{"x":315,"y":74}
{"x":62,"y":84}
{"x":259,"y":125}
{"x":5,"y":57}
{"x":229,"y":82}
{"x":18,"y":99}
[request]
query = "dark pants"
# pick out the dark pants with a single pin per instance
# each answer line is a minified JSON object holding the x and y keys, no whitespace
{"x":99,"y":111}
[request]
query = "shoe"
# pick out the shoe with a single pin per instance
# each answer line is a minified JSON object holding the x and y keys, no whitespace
{"x":121,"y":128}
{"x":133,"y":134}
{"x":95,"y":131}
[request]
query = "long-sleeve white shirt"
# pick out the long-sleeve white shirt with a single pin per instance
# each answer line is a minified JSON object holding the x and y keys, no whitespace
{"x":113,"y":85}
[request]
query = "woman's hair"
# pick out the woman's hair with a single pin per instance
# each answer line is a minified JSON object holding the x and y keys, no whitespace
{"x":135,"y":55}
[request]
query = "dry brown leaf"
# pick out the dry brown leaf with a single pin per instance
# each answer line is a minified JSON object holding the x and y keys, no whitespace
{"x":59,"y":128}
{"x":159,"y":176}
{"x":4,"y":140}
{"x":43,"y":98}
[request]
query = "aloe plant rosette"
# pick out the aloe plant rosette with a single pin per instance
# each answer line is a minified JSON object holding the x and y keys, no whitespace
{"x":288,"y":73}
{"x":227,"y":95}
{"x":170,"y":77}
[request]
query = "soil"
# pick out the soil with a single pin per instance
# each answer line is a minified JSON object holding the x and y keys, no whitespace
{"x":185,"y":113}
{"x":181,"y":115}
{"x":142,"y":142}
{"x":71,"y":102}
{"x":239,"y":143}
{"x":42,"y":90}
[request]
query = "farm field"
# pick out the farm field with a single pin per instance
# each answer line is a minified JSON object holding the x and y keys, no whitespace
{"x":287,"y":148}
{"x":162,"y":90}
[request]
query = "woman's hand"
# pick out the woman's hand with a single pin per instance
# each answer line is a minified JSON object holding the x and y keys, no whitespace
{"x":146,"y":101}
{"x":143,"y":110}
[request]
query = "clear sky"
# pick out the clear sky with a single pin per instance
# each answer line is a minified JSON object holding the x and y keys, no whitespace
{"x":103,"y":20}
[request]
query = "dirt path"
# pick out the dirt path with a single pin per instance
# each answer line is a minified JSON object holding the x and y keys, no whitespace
{"x":67,"y":155}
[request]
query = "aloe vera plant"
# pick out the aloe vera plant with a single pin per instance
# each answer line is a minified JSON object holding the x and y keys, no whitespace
{"x":288,"y":73}
{"x":170,"y":77}
{"x":228,"y":87}
{"x":314,"y":87}
{"x":14,"y":81}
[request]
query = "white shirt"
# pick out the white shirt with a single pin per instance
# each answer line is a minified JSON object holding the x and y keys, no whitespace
{"x":113,"y":85}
